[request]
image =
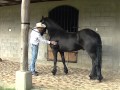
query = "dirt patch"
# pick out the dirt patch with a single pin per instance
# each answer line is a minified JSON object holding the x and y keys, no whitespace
{"x":76,"y":79}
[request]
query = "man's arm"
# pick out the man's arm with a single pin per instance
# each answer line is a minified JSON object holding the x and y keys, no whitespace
{"x":47,"y":41}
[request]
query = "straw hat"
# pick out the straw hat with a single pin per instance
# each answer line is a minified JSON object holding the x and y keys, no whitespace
{"x":40,"y":25}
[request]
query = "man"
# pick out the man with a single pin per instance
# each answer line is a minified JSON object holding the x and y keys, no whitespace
{"x":35,"y":39}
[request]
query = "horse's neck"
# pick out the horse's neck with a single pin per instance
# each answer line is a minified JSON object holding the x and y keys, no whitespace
{"x":51,"y":32}
{"x":53,"y":28}
{"x":53,"y":24}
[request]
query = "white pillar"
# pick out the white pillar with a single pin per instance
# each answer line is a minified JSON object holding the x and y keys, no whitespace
{"x":23,"y":80}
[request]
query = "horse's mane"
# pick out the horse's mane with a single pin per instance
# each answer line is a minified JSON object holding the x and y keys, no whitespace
{"x":54,"y":24}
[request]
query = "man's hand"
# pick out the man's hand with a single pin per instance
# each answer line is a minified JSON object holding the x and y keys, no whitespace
{"x":53,"y":42}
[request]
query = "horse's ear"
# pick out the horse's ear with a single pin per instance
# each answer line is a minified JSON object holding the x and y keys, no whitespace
{"x":42,"y":17}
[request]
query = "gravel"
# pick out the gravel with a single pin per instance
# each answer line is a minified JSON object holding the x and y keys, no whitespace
{"x":76,"y":79}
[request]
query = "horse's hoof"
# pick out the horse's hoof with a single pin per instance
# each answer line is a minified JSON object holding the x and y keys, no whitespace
{"x":92,"y":77}
{"x":100,"y":78}
{"x":54,"y":72}
{"x":66,"y":71}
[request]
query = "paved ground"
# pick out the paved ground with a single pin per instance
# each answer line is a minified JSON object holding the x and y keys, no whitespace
{"x":77,"y":79}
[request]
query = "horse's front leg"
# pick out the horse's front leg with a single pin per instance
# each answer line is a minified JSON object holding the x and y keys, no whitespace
{"x":55,"y":62}
{"x":63,"y":60}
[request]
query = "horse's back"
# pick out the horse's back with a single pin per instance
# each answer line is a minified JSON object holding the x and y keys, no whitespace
{"x":89,"y":34}
{"x":89,"y":38}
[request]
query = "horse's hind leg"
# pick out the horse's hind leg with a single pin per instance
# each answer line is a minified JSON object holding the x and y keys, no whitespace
{"x":55,"y":62}
{"x":93,"y":74}
{"x":63,"y":60}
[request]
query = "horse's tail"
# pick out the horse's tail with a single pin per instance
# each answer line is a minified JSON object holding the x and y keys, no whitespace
{"x":99,"y":62}
{"x":99,"y":55}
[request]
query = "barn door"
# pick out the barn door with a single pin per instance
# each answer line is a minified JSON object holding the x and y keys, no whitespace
{"x":67,"y":17}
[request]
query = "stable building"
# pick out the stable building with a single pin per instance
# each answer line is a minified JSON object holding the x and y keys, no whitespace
{"x":103,"y":16}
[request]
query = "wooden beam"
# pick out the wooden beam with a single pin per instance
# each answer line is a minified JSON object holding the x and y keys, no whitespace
{"x":16,"y":2}
{"x":25,"y":21}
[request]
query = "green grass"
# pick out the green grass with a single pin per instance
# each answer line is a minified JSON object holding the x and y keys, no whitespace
{"x":2,"y":88}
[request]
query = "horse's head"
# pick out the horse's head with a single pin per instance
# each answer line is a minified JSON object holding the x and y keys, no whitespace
{"x":50,"y":24}
{"x":43,"y":20}
{"x":44,"y":30}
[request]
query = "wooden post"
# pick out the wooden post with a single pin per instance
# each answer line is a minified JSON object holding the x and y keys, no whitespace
{"x":24,"y":75}
{"x":25,"y":22}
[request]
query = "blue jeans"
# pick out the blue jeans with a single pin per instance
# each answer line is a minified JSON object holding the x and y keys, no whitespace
{"x":34,"y":49}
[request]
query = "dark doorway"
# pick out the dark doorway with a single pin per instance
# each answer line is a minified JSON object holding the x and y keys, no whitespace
{"x":66,"y":16}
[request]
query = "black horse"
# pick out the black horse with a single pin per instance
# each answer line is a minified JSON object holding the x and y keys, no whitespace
{"x":85,"y":39}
